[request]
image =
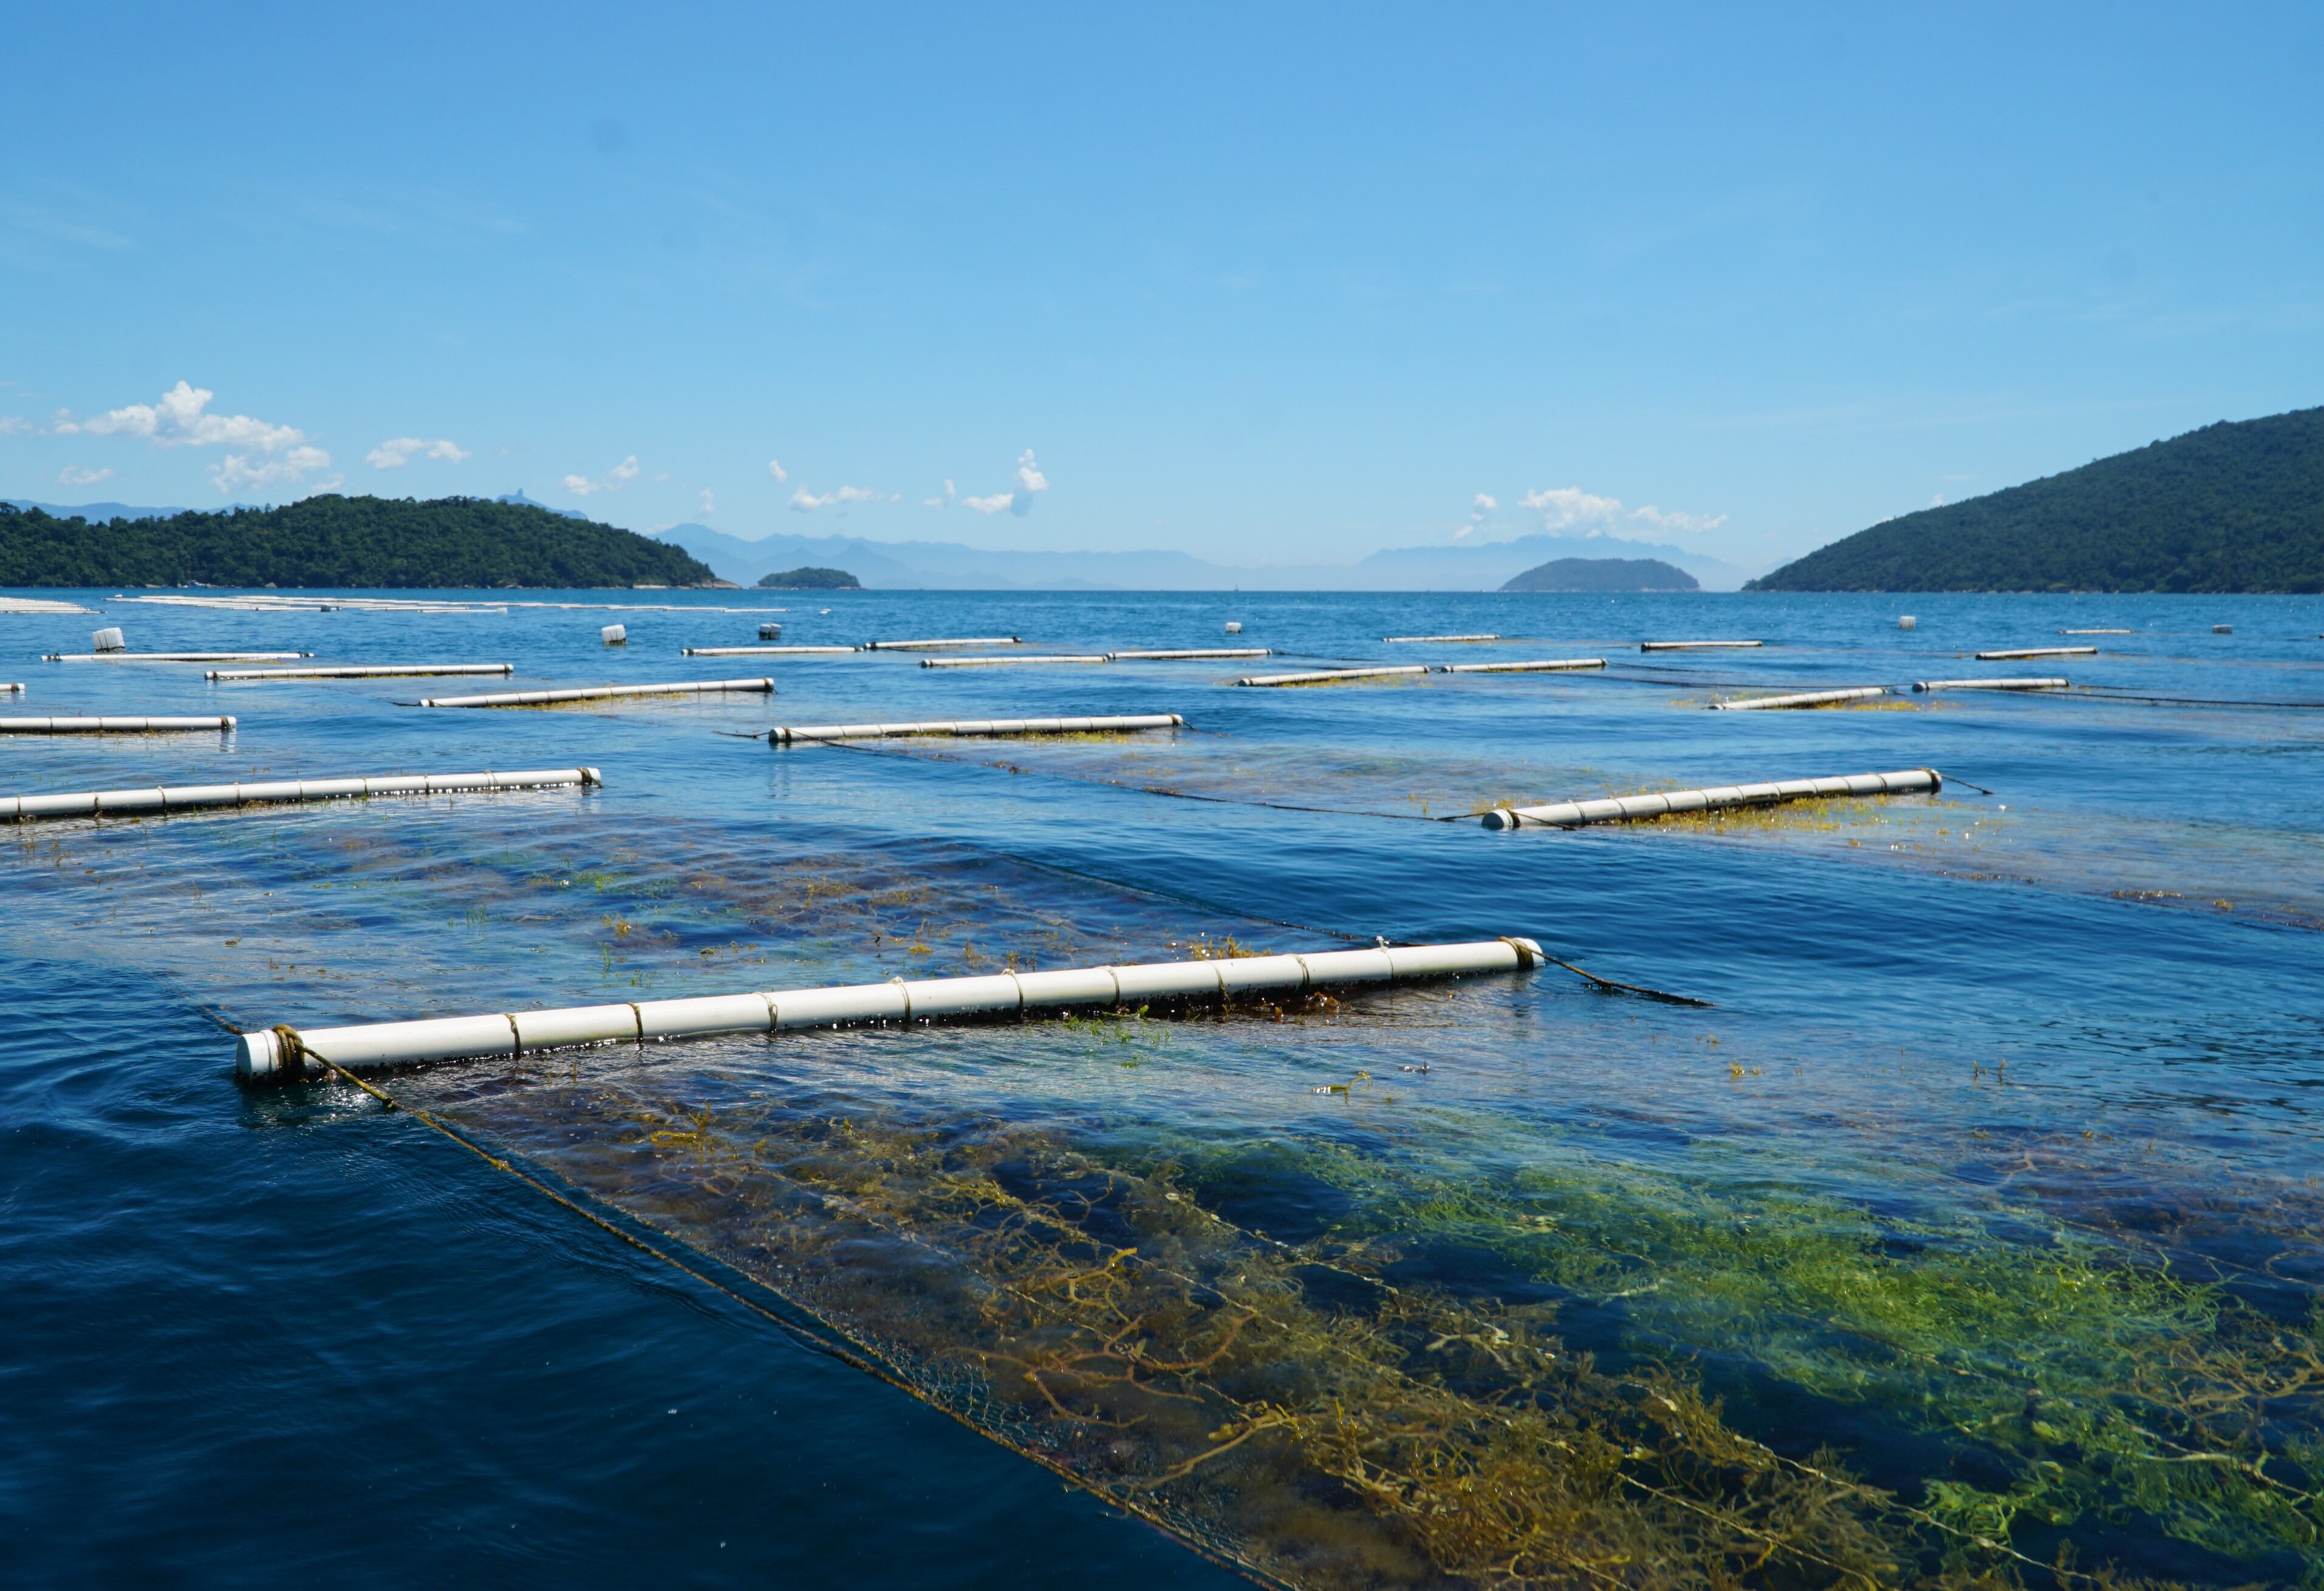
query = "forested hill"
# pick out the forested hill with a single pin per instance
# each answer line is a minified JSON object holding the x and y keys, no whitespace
{"x":2238,"y":506}
{"x":341,"y":541}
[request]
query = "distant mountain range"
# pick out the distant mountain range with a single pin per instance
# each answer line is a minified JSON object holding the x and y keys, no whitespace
{"x":2234,"y":507}
{"x":954,"y":567}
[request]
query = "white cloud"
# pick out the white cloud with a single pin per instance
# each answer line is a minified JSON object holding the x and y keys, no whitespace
{"x":804,"y":501}
{"x":1565,"y":507}
{"x":998,"y":502}
{"x":950,"y":492}
{"x":709,"y":502}
{"x":14,"y":425}
{"x":235,"y":473}
{"x":81,"y":475}
{"x":775,"y":468}
{"x":397,"y":452}
{"x":1484,"y":504}
{"x":619,"y":476}
{"x":1030,"y":483}
{"x":177,"y":420}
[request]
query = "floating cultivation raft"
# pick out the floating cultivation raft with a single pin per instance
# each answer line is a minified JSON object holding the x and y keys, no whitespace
{"x":1569,"y":815}
{"x":2049,"y":683}
{"x":363,"y":671}
{"x":766,"y":651}
{"x":284,"y":1052}
{"x":174,"y":656}
{"x":1803,"y":699}
{"x":600,"y":693}
{"x":925,"y":646}
{"x":1187,"y":654}
{"x":1013,"y":662}
{"x":1397,"y":641}
{"x":2037,"y":652}
{"x":191,"y":797}
{"x":1325,"y":676}
{"x":791,"y":733}
{"x":109,"y":726}
{"x":1698,"y":645}
{"x":2098,"y":633}
{"x":1538,"y":666}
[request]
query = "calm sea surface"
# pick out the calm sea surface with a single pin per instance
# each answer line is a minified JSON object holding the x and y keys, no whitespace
{"x":1973,"y":1229}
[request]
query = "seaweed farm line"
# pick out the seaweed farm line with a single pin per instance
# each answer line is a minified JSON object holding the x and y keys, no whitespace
{"x":966,"y":1126}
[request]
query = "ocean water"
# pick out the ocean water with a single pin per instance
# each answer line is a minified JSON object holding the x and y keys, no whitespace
{"x":1971,"y":1231}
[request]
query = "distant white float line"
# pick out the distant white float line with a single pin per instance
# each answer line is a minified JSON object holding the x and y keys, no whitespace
{"x":600,"y":693}
{"x":1013,"y":662}
{"x":768,"y":652}
{"x":1697,"y":646}
{"x":2098,"y":633}
{"x":111,"y":726}
{"x":792,"y":734}
{"x":13,"y":604}
{"x":930,"y":646}
{"x":1538,"y":666}
{"x":192,"y":797}
{"x":1397,"y":641}
{"x":1569,"y":815}
{"x":1803,"y":699}
{"x":2051,"y":683}
{"x":363,"y":671}
{"x":1327,"y":676}
{"x":256,"y":602}
{"x":1189,"y":654}
{"x":2021,"y":652}
{"x":173,"y":657}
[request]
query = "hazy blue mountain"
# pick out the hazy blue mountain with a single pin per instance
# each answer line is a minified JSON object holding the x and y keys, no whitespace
{"x":95,"y":513}
{"x":519,"y":498}
{"x":1604,"y":575}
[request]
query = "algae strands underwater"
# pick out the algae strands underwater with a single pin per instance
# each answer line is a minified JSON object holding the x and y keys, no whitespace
{"x":1801,"y":699}
{"x":1615,"y":809}
{"x":361,"y":671}
{"x":600,"y":693}
{"x":281,"y":1052}
{"x":113,"y":725}
{"x":194,"y":797}
{"x":809,"y":732}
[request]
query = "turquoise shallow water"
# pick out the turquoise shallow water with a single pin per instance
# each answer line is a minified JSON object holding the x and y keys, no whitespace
{"x":259,"y":1334}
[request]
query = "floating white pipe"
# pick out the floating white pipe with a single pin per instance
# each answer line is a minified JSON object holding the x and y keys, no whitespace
{"x":1186,"y":654}
{"x":1568,"y":815}
{"x":189,"y":797}
{"x":173,"y":657}
{"x":1323,"y":676}
{"x":1538,"y":666}
{"x":2037,"y":652}
{"x":363,"y":671}
{"x":975,"y":726}
{"x":269,"y":1053}
{"x":2053,"y":683}
{"x":9,"y":604}
{"x":16,"y":689}
{"x":924,"y":646}
{"x":1803,"y":699}
{"x":766,"y":651}
{"x":1695,"y":645}
{"x":2098,"y":633}
{"x":598,"y":693}
{"x":1012,"y":662}
{"x":109,"y":726}
{"x":1402,"y":639}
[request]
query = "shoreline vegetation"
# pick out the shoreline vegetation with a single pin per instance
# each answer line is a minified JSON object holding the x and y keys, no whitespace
{"x":343,"y":542}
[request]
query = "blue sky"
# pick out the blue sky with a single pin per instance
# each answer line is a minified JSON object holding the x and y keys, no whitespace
{"x":1264,"y":283}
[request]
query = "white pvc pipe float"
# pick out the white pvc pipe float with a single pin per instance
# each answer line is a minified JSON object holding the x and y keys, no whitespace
{"x":16,"y":689}
{"x":2037,"y":652}
{"x":925,"y":646}
{"x":1188,"y":654}
{"x":2098,"y":633}
{"x":1702,"y":646}
{"x":1012,"y":662}
{"x":599,"y":693}
{"x":190,"y":797}
{"x":2052,"y":682}
{"x":173,"y":657}
{"x":1538,"y":666}
{"x":1402,"y":639}
{"x":975,"y":726}
{"x":363,"y":671}
{"x":1803,"y":699}
{"x":766,"y":651}
{"x":110,"y":725}
{"x":279,"y":1053}
{"x":614,"y":635}
{"x":1569,"y":815}
{"x":1324,"y":676}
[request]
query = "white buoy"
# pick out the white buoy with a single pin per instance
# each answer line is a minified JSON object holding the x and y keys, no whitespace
{"x":795,"y":732}
{"x":1698,"y":645}
{"x":2223,"y":629}
{"x":599,"y":693}
{"x":771,"y":632}
{"x":1908,"y":622}
{"x":614,"y":635}
{"x":109,"y":726}
{"x":1234,"y":627}
{"x":1397,"y":641}
{"x":173,"y":657}
{"x":108,"y":640}
{"x":1325,"y":676}
{"x":1568,"y":815}
{"x":361,"y":671}
{"x":929,"y":646}
{"x":1803,"y":699}
{"x":1538,"y":666}
{"x":769,"y":651}
{"x":1012,"y":662}
{"x":16,"y":689}
{"x":285,"y":1052}
{"x":1188,"y":654}
{"x":2037,"y":652}
{"x":2051,"y":683}
{"x":191,"y":797}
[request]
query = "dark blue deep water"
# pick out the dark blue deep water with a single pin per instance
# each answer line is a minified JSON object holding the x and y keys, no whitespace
{"x":1961,"y":1051}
